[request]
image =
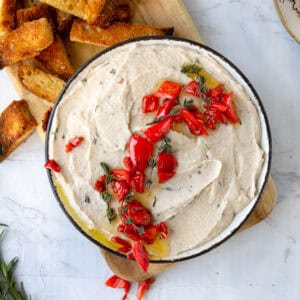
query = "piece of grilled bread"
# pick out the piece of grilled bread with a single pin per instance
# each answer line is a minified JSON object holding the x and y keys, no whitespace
{"x":7,"y":16}
{"x":88,"y":10}
{"x":64,"y":22}
{"x":16,"y":124}
{"x":39,"y":83}
{"x":26,"y":41}
{"x":56,"y":60}
{"x":115,"y":33}
{"x":36,"y":12}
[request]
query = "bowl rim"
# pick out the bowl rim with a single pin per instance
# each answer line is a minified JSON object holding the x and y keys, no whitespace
{"x":167,"y":39}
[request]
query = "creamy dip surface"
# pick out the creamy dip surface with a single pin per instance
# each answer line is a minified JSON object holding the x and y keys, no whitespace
{"x":216,"y":175}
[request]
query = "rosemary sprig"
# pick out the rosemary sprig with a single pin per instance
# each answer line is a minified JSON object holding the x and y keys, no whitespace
{"x":165,"y":146}
{"x":10,"y":289}
{"x":191,"y":68}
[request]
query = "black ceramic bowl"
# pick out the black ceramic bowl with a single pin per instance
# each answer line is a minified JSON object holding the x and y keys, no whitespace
{"x":242,"y":216}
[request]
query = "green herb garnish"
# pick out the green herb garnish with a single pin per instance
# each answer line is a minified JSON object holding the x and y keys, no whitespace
{"x":110,"y":214}
{"x":87,"y":199}
{"x":106,"y":197}
{"x":191,"y":68}
{"x":10,"y":289}
{"x":152,"y":163}
{"x":141,"y":230}
{"x":123,"y":210}
{"x":128,"y":197}
{"x":165,"y":146}
{"x":129,"y":220}
{"x":109,"y":179}
{"x":154,"y":202}
{"x":105,"y":167}
{"x":175,"y":110}
{"x":156,"y":120}
{"x":187,"y":103}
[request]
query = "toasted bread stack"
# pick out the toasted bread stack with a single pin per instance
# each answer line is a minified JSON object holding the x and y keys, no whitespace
{"x":43,"y":42}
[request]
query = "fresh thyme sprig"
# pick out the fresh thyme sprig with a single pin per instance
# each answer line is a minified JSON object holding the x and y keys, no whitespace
{"x":10,"y":289}
{"x":165,"y":146}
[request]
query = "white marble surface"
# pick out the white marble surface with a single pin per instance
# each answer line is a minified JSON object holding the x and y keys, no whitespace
{"x":57,"y":262}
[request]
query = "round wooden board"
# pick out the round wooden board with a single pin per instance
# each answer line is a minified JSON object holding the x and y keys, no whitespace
{"x":129,"y":270}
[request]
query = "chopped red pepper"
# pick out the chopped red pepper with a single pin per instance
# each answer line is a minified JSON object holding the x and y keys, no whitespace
{"x":164,"y":176}
{"x":51,"y":164}
{"x":121,"y":174}
{"x":137,"y":213}
{"x":150,"y":234}
{"x":163,"y":230}
{"x":195,"y":126}
{"x":143,"y":286}
{"x":130,"y":230}
{"x":157,"y":131}
{"x":150,"y":103}
{"x":216,"y":92}
{"x":165,"y":108}
{"x":192,"y":88}
{"x":120,"y":241}
{"x":137,"y":182}
{"x":168,"y":90}
{"x":230,"y":112}
{"x":121,"y":188}
{"x":119,"y":283}
{"x":128,"y":165}
{"x":100,"y":184}
{"x":140,"y":152}
{"x":73,"y":143}
{"x":141,"y":256}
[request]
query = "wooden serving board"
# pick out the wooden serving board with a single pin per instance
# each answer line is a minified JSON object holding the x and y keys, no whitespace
{"x":160,"y":13}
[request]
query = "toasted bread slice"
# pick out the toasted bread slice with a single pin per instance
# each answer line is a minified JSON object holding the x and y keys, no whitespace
{"x":16,"y":124}
{"x":113,"y":11}
{"x":88,"y":10}
{"x":36,"y":12}
{"x":7,"y":16}
{"x":26,"y":41}
{"x":39,"y":83}
{"x":117,"y":32}
{"x":46,"y":119}
{"x":64,"y":22}
{"x":56,"y":60}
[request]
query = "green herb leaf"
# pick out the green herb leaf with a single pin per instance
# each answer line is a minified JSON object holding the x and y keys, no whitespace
{"x":10,"y":289}
{"x":156,"y":120}
{"x":128,"y":197}
{"x":141,"y":230}
{"x":110,"y":214}
{"x":105,"y":167}
{"x":187,"y":103}
{"x":154,"y":202}
{"x":152,"y":163}
{"x":109,"y":179}
{"x":175,"y":110}
{"x":123,"y":210}
{"x":191,"y":68}
{"x":129,"y":220}
{"x":106,"y":197}
{"x":87,"y":199}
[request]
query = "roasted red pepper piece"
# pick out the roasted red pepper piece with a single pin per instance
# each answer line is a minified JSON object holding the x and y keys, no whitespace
{"x":192,"y":88}
{"x":137,"y":182}
{"x":130,"y":230}
{"x":150,"y":103}
{"x":150,"y":234}
{"x":195,"y":126}
{"x":128,"y":165}
{"x":216,"y":92}
{"x":73,"y":143}
{"x":157,"y":131}
{"x":143,"y":286}
{"x":138,"y":213}
{"x":51,"y":164}
{"x":168,"y":90}
{"x":120,"y":241}
{"x":140,"y":152}
{"x":166,"y":162}
{"x":121,"y":174}
{"x":197,"y":113}
{"x":100,"y":184}
{"x":230,"y":112}
{"x":165,"y":108}
{"x":121,"y":188}
{"x":163,"y":230}
{"x":164,"y":176}
{"x":119,"y":283}
{"x":141,"y":256}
